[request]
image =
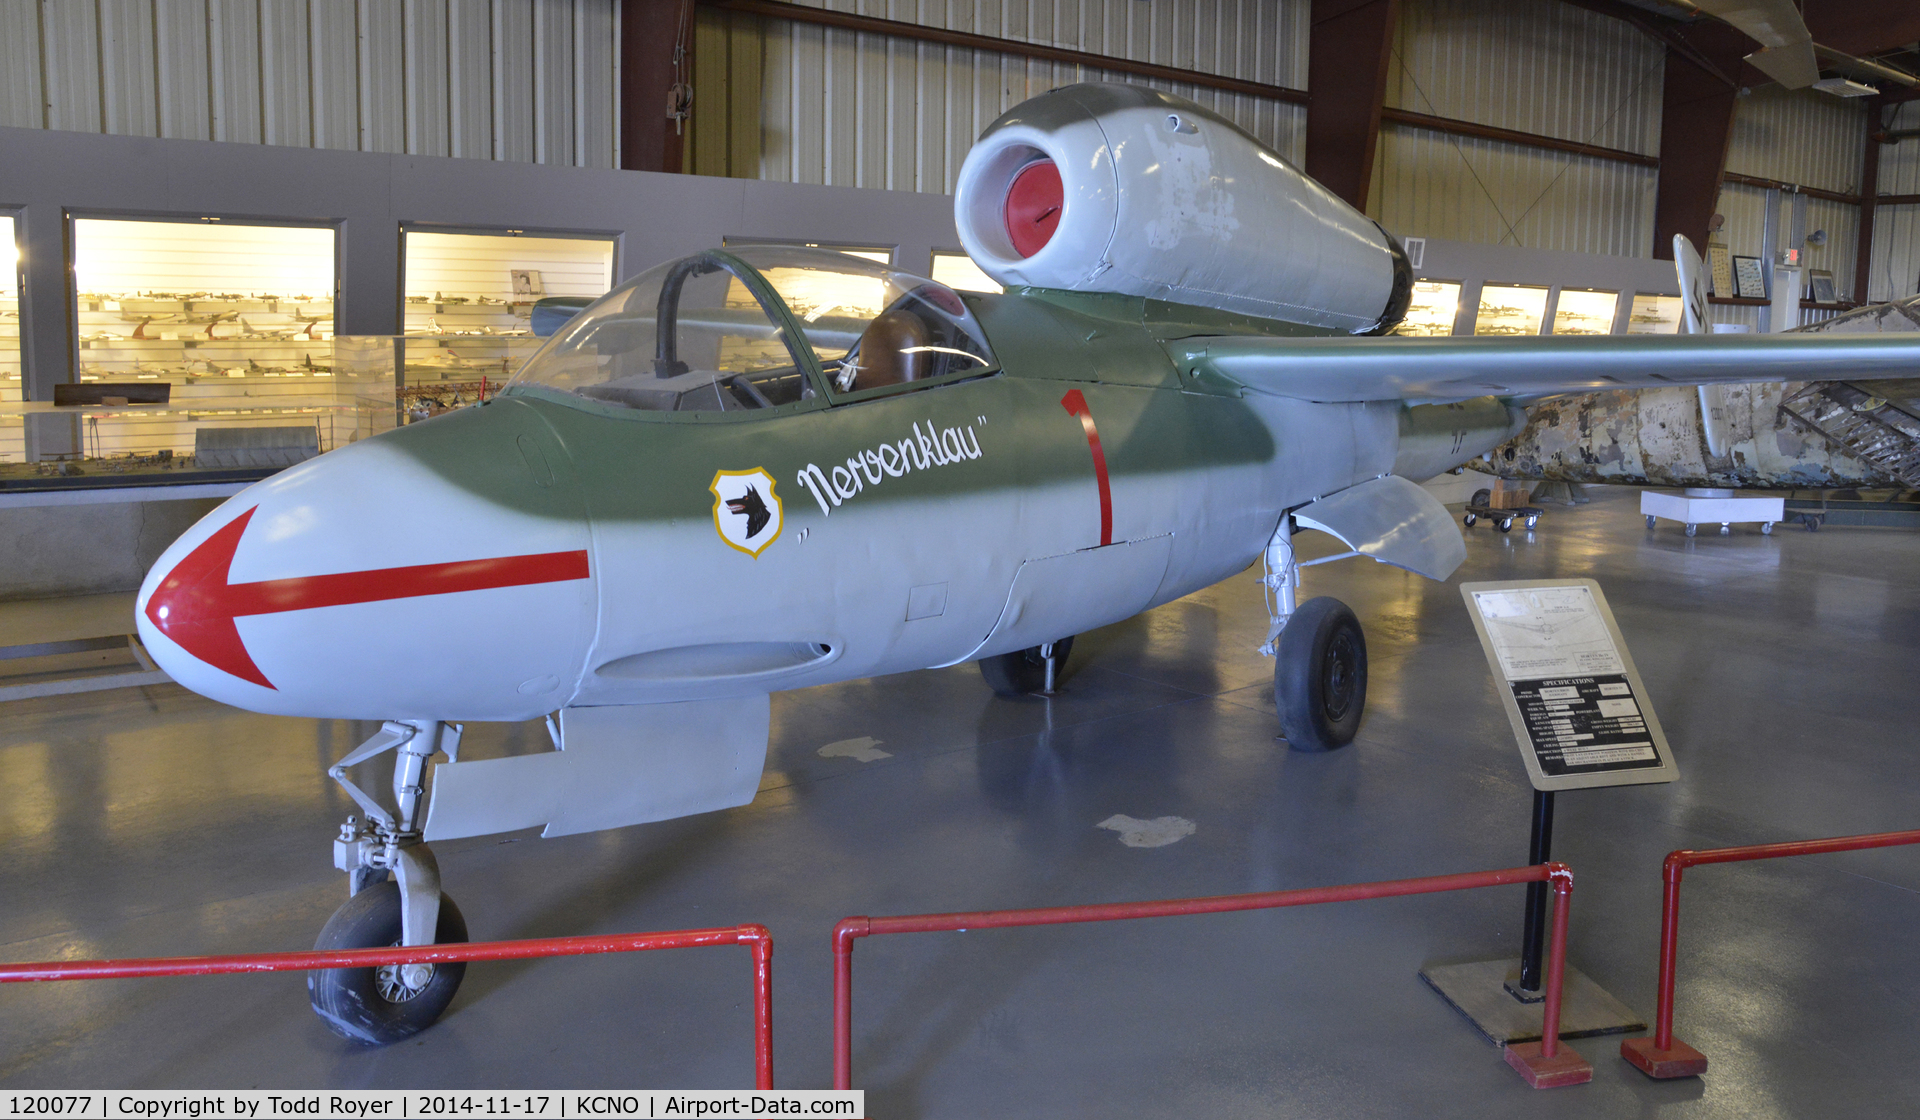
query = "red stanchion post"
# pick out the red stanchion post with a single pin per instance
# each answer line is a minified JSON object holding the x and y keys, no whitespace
{"x":1663,"y":1056}
{"x":843,"y":937}
{"x":760,"y":939}
{"x":1546,"y":1064}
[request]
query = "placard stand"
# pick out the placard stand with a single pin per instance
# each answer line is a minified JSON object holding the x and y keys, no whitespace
{"x":1580,"y":715}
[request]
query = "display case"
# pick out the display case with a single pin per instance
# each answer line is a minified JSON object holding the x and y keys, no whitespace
{"x":9,"y":314}
{"x":1585,"y":311}
{"x":189,"y":437}
{"x":1433,"y":309}
{"x":469,"y":298}
{"x":1513,"y":309}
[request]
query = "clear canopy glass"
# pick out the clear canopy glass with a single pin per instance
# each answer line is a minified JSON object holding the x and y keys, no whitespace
{"x":705,"y":333}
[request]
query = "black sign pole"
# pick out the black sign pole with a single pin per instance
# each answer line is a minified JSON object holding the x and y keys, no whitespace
{"x":1534,"y":932}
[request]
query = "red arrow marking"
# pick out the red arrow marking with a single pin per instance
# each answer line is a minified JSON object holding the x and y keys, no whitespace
{"x":1076,"y":404}
{"x":196,"y":605}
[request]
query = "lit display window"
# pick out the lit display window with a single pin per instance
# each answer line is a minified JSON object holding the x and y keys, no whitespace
{"x":1654,"y":315}
{"x":224,"y":326}
{"x":10,"y":314}
{"x":1585,"y":312}
{"x":487,"y":283}
{"x":1435,"y":306}
{"x":1510,"y":309}
{"x":957,"y":270}
{"x":469,"y":303}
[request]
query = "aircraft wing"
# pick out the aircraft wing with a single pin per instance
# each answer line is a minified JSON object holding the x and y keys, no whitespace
{"x":1427,"y":370}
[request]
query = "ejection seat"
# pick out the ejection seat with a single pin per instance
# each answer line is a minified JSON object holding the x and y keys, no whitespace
{"x":893,"y":349}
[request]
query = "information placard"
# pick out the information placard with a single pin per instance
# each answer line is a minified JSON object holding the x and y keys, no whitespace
{"x":1575,"y":700}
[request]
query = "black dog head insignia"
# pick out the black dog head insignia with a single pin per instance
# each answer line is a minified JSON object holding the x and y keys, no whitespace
{"x":755,"y":509}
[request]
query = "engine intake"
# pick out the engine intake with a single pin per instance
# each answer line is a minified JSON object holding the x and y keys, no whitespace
{"x":1103,"y":187}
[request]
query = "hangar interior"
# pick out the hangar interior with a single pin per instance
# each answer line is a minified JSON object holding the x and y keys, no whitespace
{"x":253,"y":234}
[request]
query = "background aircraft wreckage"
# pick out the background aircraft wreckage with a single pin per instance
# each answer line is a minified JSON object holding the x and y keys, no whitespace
{"x":772,"y":468}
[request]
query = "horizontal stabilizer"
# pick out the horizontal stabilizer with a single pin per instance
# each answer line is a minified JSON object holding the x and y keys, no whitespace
{"x":1427,"y":370}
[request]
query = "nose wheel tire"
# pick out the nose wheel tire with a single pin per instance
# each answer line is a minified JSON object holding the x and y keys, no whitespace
{"x":1024,"y":672}
{"x":383,"y":1005}
{"x":1320,"y":676}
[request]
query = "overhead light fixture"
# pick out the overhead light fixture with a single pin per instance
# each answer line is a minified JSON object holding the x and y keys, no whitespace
{"x":1844,"y":87}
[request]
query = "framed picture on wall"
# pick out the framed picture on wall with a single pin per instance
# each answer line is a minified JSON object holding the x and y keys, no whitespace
{"x":1750,"y":281}
{"x":1720,"y":269}
{"x":1821,"y":281}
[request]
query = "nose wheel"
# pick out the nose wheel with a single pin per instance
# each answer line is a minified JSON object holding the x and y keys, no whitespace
{"x":395,"y":898}
{"x":388,"y":1003}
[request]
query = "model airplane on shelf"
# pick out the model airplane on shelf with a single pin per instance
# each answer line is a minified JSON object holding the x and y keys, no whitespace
{"x":769,"y":468}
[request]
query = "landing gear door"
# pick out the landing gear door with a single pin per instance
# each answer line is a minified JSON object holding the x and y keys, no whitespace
{"x":1393,"y":521}
{"x":620,"y":765}
{"x":1058,"y":596}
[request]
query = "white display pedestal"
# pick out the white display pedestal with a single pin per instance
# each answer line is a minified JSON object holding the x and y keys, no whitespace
{"x":1706,"y":507}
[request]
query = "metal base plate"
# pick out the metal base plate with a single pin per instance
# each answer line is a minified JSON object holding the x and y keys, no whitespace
{"x":1477,"y":990}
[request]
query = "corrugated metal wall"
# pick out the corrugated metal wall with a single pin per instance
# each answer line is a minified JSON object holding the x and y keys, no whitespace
{"x":1550,"y":69}
{"x":1896,"y":229}
{"x":526,"y":80}
{"x":838,"y":107}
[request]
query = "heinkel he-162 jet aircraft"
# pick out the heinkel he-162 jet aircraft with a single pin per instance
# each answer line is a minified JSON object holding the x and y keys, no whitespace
{"x":769,"y":468}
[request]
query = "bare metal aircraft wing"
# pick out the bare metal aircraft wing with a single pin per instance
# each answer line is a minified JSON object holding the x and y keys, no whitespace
{"x":1424,"y":370}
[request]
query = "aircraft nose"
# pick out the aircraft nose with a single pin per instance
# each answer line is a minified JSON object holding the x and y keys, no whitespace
{"x":439,"y":571}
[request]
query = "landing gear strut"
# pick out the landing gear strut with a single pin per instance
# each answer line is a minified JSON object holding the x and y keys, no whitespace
{"x":386,"y":1004}
{"x":1319,"y":652}
{"x":1036,"y":669}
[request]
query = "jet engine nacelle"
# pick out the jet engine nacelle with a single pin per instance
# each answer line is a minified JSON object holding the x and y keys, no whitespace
{"x":1118,"y":188}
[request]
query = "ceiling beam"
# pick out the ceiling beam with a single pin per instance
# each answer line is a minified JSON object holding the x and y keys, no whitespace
{"x":900,"y":29}
{"x":1511,"y":136}
{"x":1863,"y":27}
{"x":1348,"y":50}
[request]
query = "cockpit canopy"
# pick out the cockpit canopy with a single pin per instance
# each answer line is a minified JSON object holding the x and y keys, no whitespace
{"x":758,"y":327}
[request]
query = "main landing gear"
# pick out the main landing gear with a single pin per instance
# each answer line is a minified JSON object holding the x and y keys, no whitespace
{"x":1319,"y":656}
{"x":395,"y":899}
{"x":1036,"y":669}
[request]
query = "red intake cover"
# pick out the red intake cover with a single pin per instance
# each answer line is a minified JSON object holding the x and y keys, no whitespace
{"x":1034,"y":201}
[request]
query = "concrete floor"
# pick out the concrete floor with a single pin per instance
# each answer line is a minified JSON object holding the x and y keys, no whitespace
{"x":153,"y":822}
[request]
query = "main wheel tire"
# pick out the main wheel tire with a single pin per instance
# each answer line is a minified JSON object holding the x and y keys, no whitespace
{"x":1320,"y":676}
{"x":382,"y":1005}
{"x":1481,"y":497}
{"x":1024,"y":672}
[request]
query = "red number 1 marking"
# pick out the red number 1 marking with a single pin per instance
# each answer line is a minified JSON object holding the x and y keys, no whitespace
{"x":1076,"y":404}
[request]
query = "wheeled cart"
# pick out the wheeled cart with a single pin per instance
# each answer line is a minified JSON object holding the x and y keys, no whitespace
{"x":1699,"y":507}
{"x":1502,"y":519}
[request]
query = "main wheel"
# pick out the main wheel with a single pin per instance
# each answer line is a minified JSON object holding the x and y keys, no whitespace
{"x":388,"y":1003}
{"x":1320,"y":676}
{"x":1024,"y":671}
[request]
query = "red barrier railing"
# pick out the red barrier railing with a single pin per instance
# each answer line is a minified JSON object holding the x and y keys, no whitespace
{"x":1662,"y":1055}
{"x":753,"y":935}
{"x":1545,"y":1064}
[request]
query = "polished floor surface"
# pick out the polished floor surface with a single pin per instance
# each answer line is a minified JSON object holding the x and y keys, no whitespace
{"x":151,"y":822}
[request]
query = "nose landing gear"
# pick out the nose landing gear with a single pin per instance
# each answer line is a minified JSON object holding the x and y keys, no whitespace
{"x":386,"y":1004}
